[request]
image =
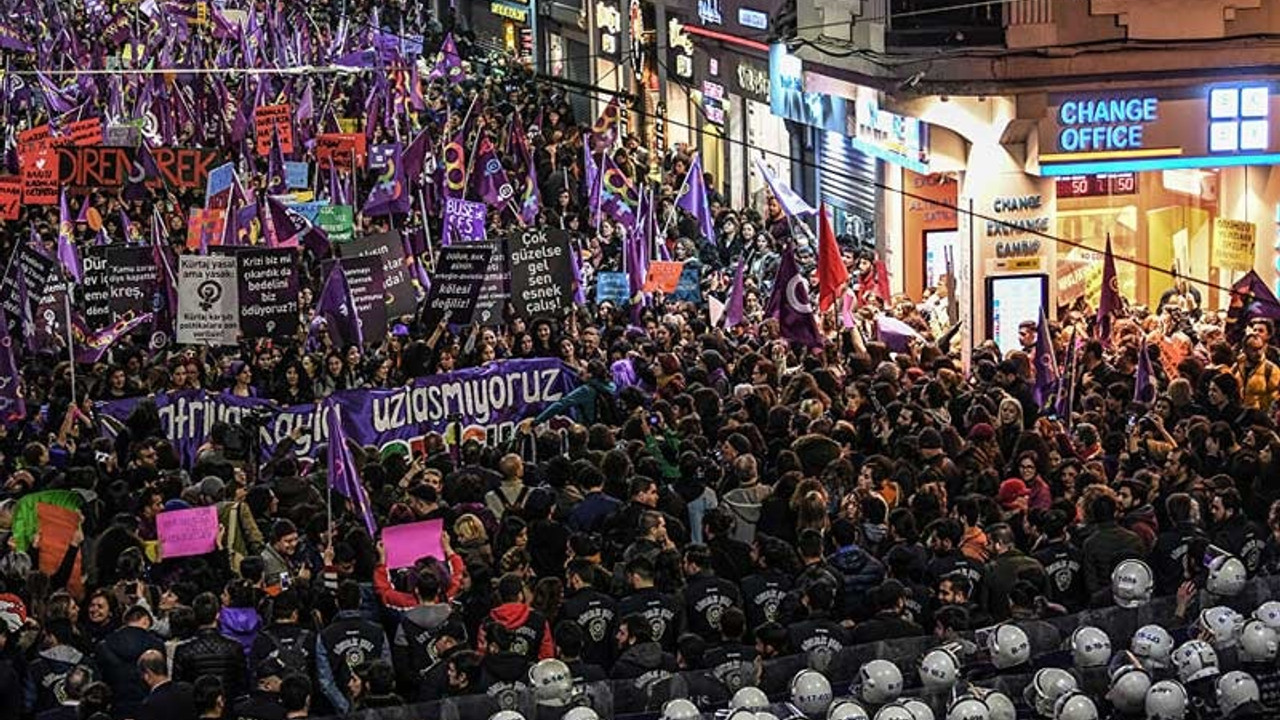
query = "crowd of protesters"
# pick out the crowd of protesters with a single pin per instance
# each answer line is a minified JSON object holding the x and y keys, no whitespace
{"x":728,"y":501}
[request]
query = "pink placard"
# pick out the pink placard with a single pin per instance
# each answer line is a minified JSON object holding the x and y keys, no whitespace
{"x":187,"y":532}
{"x":406,"y":543}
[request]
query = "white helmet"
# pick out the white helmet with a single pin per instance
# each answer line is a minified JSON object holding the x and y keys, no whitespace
{"x":1222,"y":624}
{"x":1090,"y":647}
{"x":1132,"y":583}
{"x":1047,"y":685}
{"x":765,"y":715}
{"x":506,"y":715}
{"x":1153,"y":645}
{"x":879,"y":681}
{"x":1000,"y":705}
{"x":680,"y":709}
{"x":551,"y":680}
{"x":1269,"y":613}
{"x":1258,"y":642}
{"x":1235,"y":689}
{"x":1195,"y":659}
{"x":1166,"y":700}
{"x":1009,"y":646}
{"x":749,"y":698}
{"x":1075,"y":705}
{"x":939,"y":669}
{"x":741,"y":714}
{"x":894,"y":711}
{"x":918,"y":709}
{"x":1129,"y":686}
{"x":846,"y":710}
{"x":582,"y":712}
{"x":968,"y":707}
{"x":1226,"y":576}
{"x":811,"y":692}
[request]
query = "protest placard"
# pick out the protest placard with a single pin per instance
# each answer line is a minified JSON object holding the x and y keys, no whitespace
{"x":405,"y":544}
{"x":58,"y":526}
{"x":460,"y":272}
{"x":689,"y":286}
{"x":541,"y":273}
{"x":613,"y":287}
{"x":338,"y":222}
{"x":495,"y":292}
{"x":208,"y":300}
{"x":36,"y":271}
{"x":365,"y":278}
{"x":84,"y":133}
{"x":183,"y":533}
{"x":277,"y":118}
{"x":663,"y":276}
{"x":10,"y":196}
{"x":205,"y":227}
{"x":296,"y":174}
{"x":40,"y":178}
{"x":348,"y":150}
{"x":220,"y":179}
{"x":118,"y":280}
{"x":268,"y":292}
{"x":463,"y":221}
{"x":396,"y":284}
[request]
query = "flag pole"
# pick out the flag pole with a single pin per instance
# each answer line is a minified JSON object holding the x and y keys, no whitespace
{"x":71,"y":349}
{"x":426,"y":228}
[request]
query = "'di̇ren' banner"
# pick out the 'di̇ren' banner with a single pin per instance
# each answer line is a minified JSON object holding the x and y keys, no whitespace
{"x":488,"y":401}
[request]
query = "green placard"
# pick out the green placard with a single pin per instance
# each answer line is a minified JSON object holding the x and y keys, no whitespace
{"x":338,"y":222}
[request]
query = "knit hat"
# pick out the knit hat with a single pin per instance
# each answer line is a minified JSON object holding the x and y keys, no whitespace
{"x":981,"y":432}
{"x":212,"y":486}
{"x":1010,"y":491}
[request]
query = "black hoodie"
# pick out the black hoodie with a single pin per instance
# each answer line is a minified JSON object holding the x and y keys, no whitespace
{"x":647,"y":666}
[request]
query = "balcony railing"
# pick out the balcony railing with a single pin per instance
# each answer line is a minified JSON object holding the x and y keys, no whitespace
{"x":947,"y":23}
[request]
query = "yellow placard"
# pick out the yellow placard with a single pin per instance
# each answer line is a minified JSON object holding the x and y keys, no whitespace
{"x":347,"y":125}
{"x":1233,"y":244}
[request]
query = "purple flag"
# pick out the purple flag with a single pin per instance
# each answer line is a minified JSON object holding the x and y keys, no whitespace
{"x":343,"y":476}
{"x":97,"y":344}
{"x":531,"y":197}
{"x":489,"y":178}
{"x":693,"y":199}
{"x":283,"y":228}
{"x":1250,"y":298}
{"x":338,"y":308}
{"x":11,"y":39}
{"x":390,"y":192}
{"x":895,"y":334}
{"x":414,"y":158}
{"x":1066,"y":381}
{"x":67,"y":252}
{"x":575,"y":263}
{"x":1046,"y":364}
{"x":636,"y":252}
{"x":619,"y":198}
{"x":592,"y":173}
{"x":276,"y":178}
{"x":83,"y":215}
{"x":54,"y":95}
{"x":789,"y":303}
{"x":449,"y":64}
{"x":1111,"y":302}
{"x":792,"y":204}
{"x":734,"y":310}
{"x":1144,"y":385}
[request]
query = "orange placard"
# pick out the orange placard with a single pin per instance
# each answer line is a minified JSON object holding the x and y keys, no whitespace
{"x":205,"y":227}
{"x":57,"y":526}
{"x":663,"y":275}
{"x":84,"y":133}
{"x":10,"y":196}
{"x":341,"y":148}
{"x":40,"y":178}
{"x":273,"y":117}
{"x":34,"y":140}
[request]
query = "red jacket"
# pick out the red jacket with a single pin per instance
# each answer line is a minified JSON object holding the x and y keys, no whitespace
{"x":526,"y":623}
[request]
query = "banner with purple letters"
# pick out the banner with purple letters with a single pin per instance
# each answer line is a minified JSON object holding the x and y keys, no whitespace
{"x":487,"y":401}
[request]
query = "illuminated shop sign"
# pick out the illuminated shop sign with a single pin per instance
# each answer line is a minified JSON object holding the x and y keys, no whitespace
{"x":713,"y":101}
{"x":1219,"y":125}
{"x":1114,"y":124}
{"x":609,"y":23}
{"x":519,"y":13}
{"x":681,"y":49}
{"x":753,"y":19}
{"x":709,"y":12}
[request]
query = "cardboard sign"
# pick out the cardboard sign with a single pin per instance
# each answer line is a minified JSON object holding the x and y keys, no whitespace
{"x":126,"y":136}
{"x":613,"y":287}
{"x":348,"y":150}
{"x":220,"y":180}
{"x":1233,"y":244}
{"x":663,"y":276}
{"x":397,"y":288}
{"x":338,"y":222}
{"x":183,"y":533}
{"x":58,"y":526}
{"x":268,"y":292}
{"x":208,"y":300}
{"x":541,"y":272}
{"x":365,"y":278}
{"x":460,"y":272}
{"x":40,"y":178}
{"x":34,"y":140}
{"x":84,"y":133}
{"x":273,"y":117}
{"x":689,"y":287}
{"x":10,"y":196}
{"x":495,"y":293}
{"x":296,"y":174}
{"x":407,"y":543}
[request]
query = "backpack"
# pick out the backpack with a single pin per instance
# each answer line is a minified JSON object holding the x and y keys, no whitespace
{"x":510,"y":507}
{"x":294,"y":651}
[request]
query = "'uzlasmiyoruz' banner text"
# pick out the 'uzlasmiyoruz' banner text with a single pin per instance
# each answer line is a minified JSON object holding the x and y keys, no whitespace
{"x":488,"y":402}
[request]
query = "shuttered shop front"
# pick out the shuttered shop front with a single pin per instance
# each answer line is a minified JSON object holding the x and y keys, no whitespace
{"x":848,"y":181}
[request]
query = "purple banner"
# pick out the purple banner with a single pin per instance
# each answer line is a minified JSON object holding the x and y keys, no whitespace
{"x":490,"y":400}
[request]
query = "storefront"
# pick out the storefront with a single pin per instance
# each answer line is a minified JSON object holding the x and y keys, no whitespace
{"x":507,"y":24}
{"x":1177,"y":177}
{"x":566,"y":47}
